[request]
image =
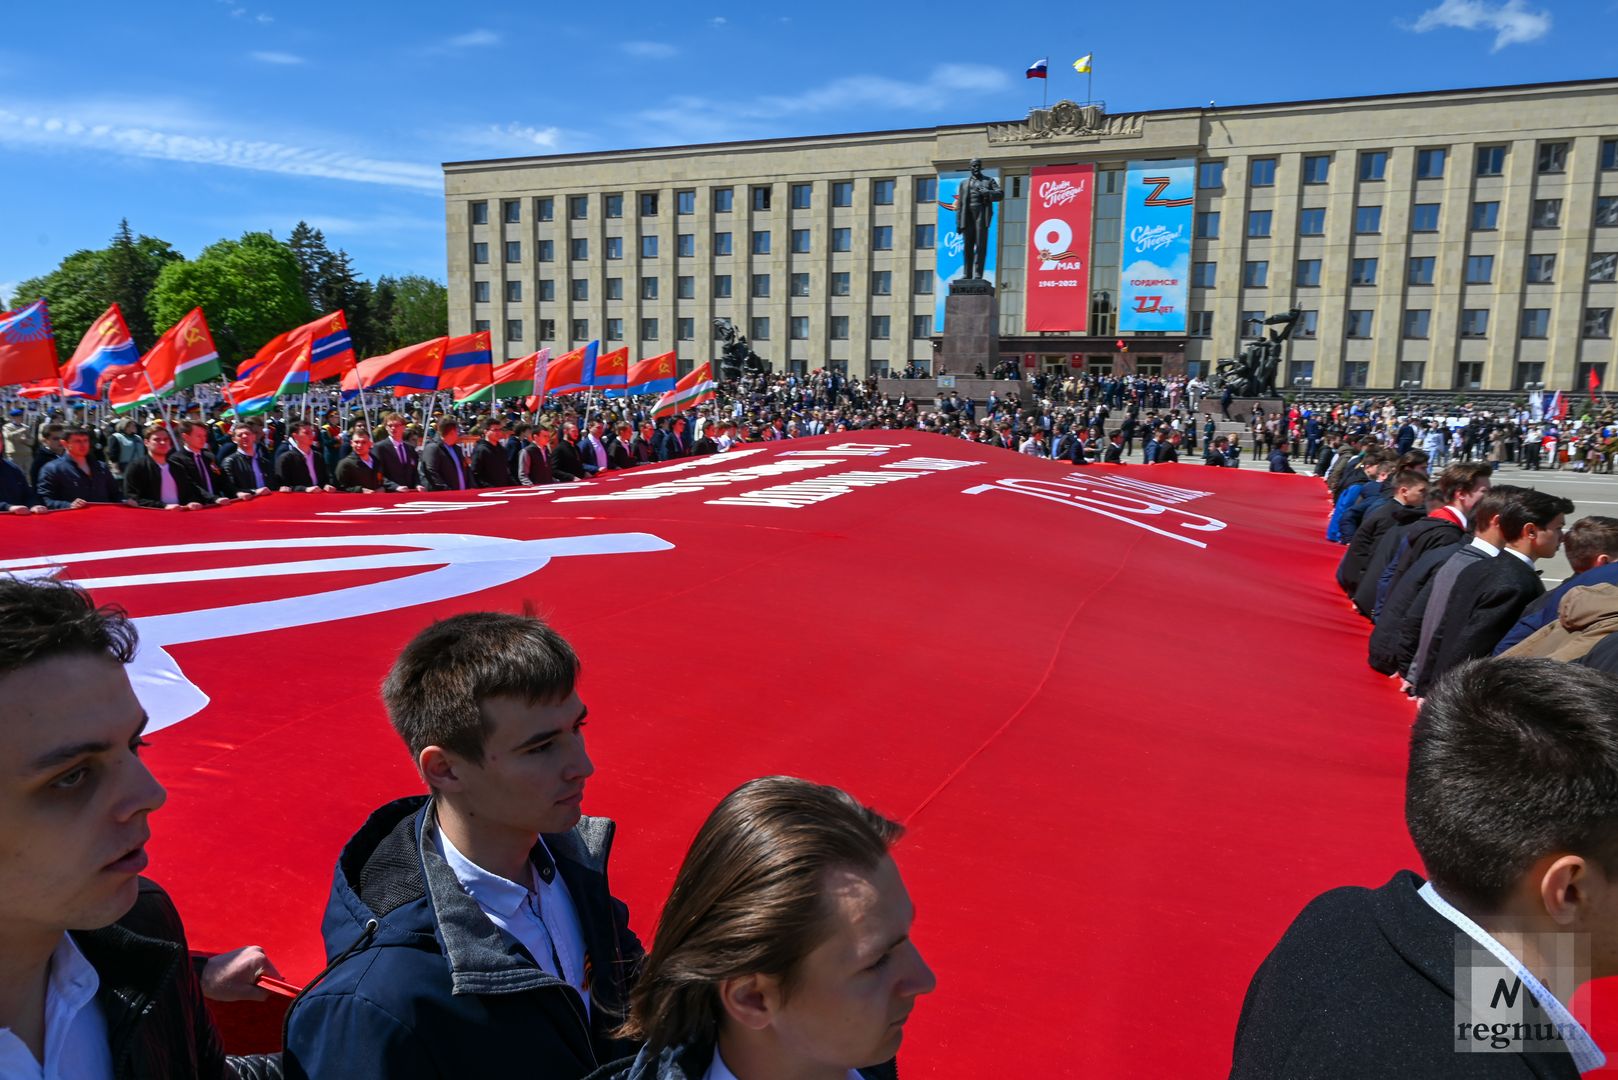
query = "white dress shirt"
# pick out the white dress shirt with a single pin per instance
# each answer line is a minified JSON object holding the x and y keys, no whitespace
{"x":718,"y":1070}
{"x":1526,"y":560}
{"x":1485,"y":547}
{"x":540,"y":915}
{"x":75,"y":1031}
{"x":1585,"y":1053}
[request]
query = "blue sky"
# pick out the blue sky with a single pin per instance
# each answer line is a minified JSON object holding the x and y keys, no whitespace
{"x":199,"y":119}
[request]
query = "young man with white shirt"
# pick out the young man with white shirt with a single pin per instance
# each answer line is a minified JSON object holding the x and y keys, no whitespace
{"x":784,"y":949}
{"x":1511,"y":799}
{"x":472,"y":930}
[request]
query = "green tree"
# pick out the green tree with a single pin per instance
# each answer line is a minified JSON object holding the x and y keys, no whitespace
{"x":131,"y":266}
{"x":420,"y":310}
{"x":330,"y":284}
{"x":87,"y":282}
{"x":251,"y":290}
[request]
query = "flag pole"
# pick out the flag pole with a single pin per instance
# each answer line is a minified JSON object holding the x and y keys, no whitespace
{"x":162,"y":408}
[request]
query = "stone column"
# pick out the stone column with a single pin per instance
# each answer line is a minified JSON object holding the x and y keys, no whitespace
{"x":971,"y":328}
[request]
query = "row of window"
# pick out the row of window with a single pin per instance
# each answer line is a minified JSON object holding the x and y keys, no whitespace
{"x":1424,"y":218}
{"x":760,"y":197}
{"x":1535,"y":323}
{"x":921,"y":326}
{"x":1603,"y":267}
{"x":842,"y":240}
{"x":1551,"y":158}
{"x":685,"y":286}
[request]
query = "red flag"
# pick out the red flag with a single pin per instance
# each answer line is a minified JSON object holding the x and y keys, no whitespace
{"x":689,"y":392}
{"x":28,"y":347}
{"x":412,"y":369}
{"x":566,"y":373}
{"x":184,"y":355}
{"x":1595,"y":384}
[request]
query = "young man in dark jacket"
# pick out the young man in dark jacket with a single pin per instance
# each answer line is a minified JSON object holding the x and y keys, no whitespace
{"x":472,"y":931}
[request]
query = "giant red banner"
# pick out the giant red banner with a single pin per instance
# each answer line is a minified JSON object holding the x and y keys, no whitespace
{"x":1060,"y":198}
{"x":1123,"y":711}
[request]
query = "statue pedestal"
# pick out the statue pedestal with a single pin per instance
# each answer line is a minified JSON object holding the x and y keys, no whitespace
{"x":971,"y":327}
{"x":1241,"y":408}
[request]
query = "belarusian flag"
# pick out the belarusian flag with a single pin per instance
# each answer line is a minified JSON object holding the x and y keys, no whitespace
{"x":514,"y":378}
{"x":690,"y":391}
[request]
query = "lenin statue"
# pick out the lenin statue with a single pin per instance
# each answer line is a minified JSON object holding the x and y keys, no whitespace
{"x":974,"y":212}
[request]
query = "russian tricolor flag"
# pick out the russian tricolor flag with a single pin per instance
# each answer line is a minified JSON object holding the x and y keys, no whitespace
{"x":106,"y":350}
{"x":1036,"y":70}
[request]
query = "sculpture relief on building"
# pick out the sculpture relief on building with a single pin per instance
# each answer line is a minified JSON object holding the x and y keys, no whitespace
{"x":1066,"y":120}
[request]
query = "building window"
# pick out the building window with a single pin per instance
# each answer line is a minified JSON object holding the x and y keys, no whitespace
{"x":513,"y":329}
{"x":1308,"y":324}
{"x":1302,"y":372}
{"x":1362,"y":272}
{"x":685,"y":329}
{"x":799,"y":285}
{"x":511,"y":211}
{"x":480,"y":326}
{"x":578,"y":207}
{"x":648,"y":288}
{"x":879,"y":327}
{"x":1412,"y":373}
{"x":1258,"y":223}
{"x":1211,"y":174}
{"x":842,"y":239}
{"x":580,"y":330}
{"x":514,"y":292}
{"x":1316,"y":168}
{"x":612,"y":206}
{"x":1416,"y":322}
{"x":1547,"y":213}
{"x":1309,"y":273}
{"x":926,"y":190}
{"x":648,"y":207}
{"x":547,"y":251}
{"x":579,"y":288}
{"x":1201,"y":324}
{"x":480,"y":252}
{"x":615,"y":329}
{"x":1429,"y":164}
{"x":800,"y":195}
{"x":578,"y":248}
{"x":921,"y":326}
{"x":1530,"y":374}
{"x":1475,"y":323}
{"x":798,"y":328}
{"x":1252,"y":324}
{"x":1256,"y":274}
{"x":722,"y":199}
{"x":1355,"y":374}
{"x":761,"y":241}
{"x":480,"y":292}
{"x":721,"y":243}
{"x":925,"y":235}
{"x":800,"y":241}
{"x":614,"y":247}
{"x":685,"y":287}
{"x":1552,"y":157}
{"x":615,"y":288}
{"x":1603,"y":266}
{"x":881,"y":283}
{"x":882,"y":238}
{"x":761,"y":197}
{"x":1312,"y":221}
{"x":921,"y":282}
{"x":760,"y":327}
{"x":1541,"y":269}
{"x":838,"y":328}
{"x":1469,"y":375}
{"x":1207,"y":226}
{"x":547,"y":329}
{"x":1203,"y":274}
{"x":1485,"y":216}
{"x":1491,"y":161}
{"x":685,"y":245}
{"x":545,"y":208}
{"x":1424,"y":217}
{"x":1606,"y":210}
{"x":1479,"y":269}
{"x":1373,"y":164}
{"x":1609,"y":155}
{"x":547,"y":290}
{"x":480,"y":213}
{"x":761,"y":286}
{"x":1367,"y":220}
{"x":1261,"y":173}
{"x":648,"y":247}
{"x":842,"y":193}
{"x":721,"y":286}
{"x":1598,"y":322}
{"x":648,"y":329}
{"x":1359,"y":323}
{"x":685,"y":202}
{"x":882,"y":193}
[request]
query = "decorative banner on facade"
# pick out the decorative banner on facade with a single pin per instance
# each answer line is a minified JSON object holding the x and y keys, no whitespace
{"x":1059,"y":202}
{"x":950,"y":254}
{"x":1158,"y":204}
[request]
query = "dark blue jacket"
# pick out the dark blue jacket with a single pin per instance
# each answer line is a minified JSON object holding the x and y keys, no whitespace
{"x":1371,"y":496}
{"x":14,"y":489}
{"x":1543,"y":611}
{"x":421,"y":984}
{"x":61,"y":482}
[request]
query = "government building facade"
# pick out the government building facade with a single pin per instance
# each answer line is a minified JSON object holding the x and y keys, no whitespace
{"x":1461,"y":240}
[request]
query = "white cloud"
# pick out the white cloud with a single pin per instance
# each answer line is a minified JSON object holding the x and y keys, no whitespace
{"x":512,"y":138}
{"x":474,"y":39}
{"x":265,"y":19}
{"x":651,"y":50}
{"x":718,"y":20}
{"x":277,"y":58}
{"x":163,"y":132}
{"x":1512,"y":21}
{"x":8,"y":290}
